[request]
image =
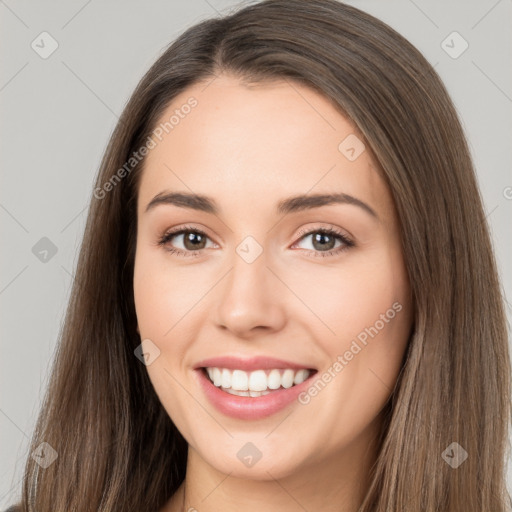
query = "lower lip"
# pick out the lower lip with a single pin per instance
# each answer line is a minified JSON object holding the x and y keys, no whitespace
{"x":246,"y":407}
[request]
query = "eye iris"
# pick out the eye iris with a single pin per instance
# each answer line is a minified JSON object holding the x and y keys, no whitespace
{"x":319,"y":237}
{"x":190,"y":237}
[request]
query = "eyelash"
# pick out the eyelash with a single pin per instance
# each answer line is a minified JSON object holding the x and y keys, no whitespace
{"x":169,"y":235}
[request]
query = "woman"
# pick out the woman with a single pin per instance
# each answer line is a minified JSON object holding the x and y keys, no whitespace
{"x":286,"y":295}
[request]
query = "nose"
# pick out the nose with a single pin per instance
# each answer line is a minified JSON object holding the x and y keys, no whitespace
{"x":250,"y":303}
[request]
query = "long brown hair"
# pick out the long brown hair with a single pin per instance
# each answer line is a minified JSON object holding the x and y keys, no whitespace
{"x":117,"y":447}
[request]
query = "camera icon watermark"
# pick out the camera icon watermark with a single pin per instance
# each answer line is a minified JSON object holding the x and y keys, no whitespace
{"x":249,"y":249}
{"x":44,"y":45}
{"x":147,"y":352}
{"x":454,"y":455}
{"x":44,"y":250}
{"x":454,"y":45}
{"x":44,"y":455}
{"x":249,"y":454}
{"x":351,"y":147}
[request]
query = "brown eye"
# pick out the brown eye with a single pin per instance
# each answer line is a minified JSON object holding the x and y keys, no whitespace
{"x":322,"y":241}
{"x":193,"y":240}
{"x":184,"y":242}
{"x":326,"y":242}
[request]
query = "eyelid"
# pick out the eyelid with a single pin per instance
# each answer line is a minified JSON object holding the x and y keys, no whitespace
{"x":329,"y":227}
{"x":179,"y":230}
{"x":346,"y":239}
{"x":185,"y":228}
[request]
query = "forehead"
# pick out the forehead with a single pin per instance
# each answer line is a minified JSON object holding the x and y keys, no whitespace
{"x":250,"y":145}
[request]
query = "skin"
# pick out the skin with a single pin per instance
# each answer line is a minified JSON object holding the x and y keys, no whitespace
{"x":249,"y":147}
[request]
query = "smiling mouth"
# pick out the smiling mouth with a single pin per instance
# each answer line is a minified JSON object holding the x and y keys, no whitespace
{"x":257,"y":382}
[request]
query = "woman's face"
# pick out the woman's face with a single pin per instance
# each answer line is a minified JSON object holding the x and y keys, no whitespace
{"x":260,"y":280}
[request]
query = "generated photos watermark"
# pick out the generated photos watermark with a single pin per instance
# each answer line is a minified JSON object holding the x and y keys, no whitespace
{"x":357,"y":345}
{"x":150,"y":143}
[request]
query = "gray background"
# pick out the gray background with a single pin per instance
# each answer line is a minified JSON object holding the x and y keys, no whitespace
{"x":57,"y":114}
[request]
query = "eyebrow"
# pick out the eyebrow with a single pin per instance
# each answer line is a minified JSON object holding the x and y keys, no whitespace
{"x":290,"y":205}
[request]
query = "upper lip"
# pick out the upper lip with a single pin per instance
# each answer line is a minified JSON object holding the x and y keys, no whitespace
{"x":249,"y":364}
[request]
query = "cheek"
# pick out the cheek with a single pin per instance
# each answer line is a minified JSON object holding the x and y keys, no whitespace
{"x":162,"y":299}
{"x":372,"y":321}
{"x":352,"y":295}
{"x":162,"y":295}
{"x":152,"y":299}
{"x":366,"y":307}
{"x":366,"y":304}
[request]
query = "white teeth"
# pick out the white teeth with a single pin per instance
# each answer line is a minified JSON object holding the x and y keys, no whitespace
{"x":256,"y":383}
{"x":274,"y":379}
{"x":226,"y":378}
{"x":239,"y":380}
{"x":246,"y":393}
{"x":258,"y":393}
{"x":217,"y":377}
{"x":301,"y":376}
{"x":287,"y":378}
{"x":238,"y":393}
